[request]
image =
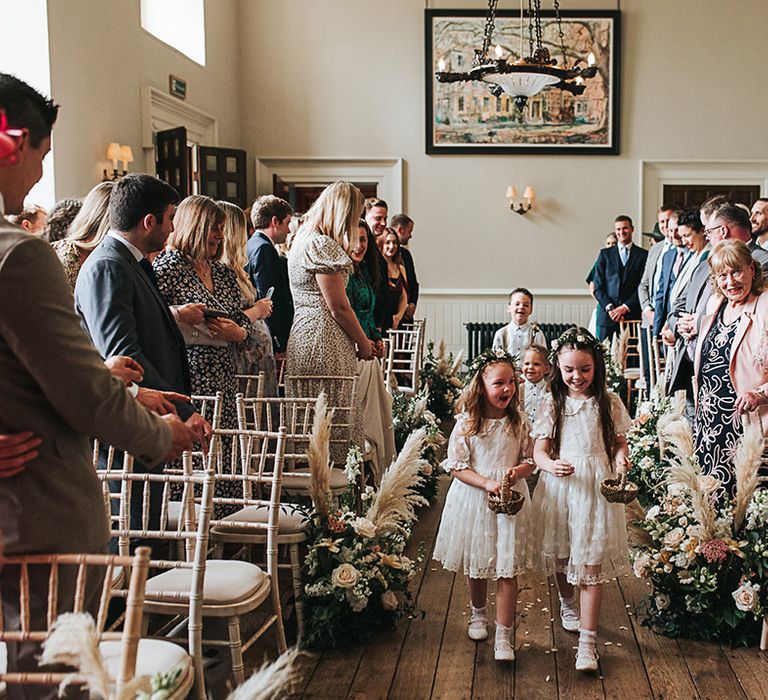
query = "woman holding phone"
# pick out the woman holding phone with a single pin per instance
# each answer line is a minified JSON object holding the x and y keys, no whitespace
{"x":189,"y":272}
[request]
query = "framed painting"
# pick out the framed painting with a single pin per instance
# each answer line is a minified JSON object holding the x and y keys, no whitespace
{"x":464,"y":117}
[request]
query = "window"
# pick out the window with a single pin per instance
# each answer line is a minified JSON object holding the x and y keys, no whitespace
{"x":26,"y":55}
{"x":178,"y":23}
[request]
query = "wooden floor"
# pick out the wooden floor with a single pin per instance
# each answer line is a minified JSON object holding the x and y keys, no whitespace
{"x":433,"y":657}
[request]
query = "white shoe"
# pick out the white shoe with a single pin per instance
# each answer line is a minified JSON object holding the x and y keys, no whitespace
{"x":570,"y":618}
{"x":503,"y":650}
{"x":478,"y":627}
{"x":586,"y":658}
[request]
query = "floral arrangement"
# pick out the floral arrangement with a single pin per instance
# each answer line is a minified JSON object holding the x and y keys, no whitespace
{"x":439,"y":377}
{"x":645,"y":448}
{"x":614,"y":375}
{"x":409,"y":415}
{"x":706,"y":557}
{"x":356,"y":571}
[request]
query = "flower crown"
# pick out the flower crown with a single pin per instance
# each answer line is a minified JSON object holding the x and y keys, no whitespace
{"x":486,"y":357}
{"x":575,"y":337}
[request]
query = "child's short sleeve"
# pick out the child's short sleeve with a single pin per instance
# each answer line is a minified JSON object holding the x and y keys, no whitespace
{"x":458,"y":447}
{"x":621,"y":420}
{"x":544,"y":424}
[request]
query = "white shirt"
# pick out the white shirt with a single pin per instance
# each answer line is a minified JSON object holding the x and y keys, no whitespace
{"x":533,"y":395}
{"x":515,"y":339}
{"x":134,"y":250}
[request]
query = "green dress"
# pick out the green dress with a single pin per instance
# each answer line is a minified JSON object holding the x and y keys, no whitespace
{"x":362,"y":299}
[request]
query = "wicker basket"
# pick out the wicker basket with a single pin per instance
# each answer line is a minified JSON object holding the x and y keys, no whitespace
{"x":619,"y":490}
{"x":509,"y":501}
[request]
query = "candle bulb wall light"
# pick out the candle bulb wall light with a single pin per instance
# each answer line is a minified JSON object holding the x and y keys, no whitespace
{"x":523,"y":207}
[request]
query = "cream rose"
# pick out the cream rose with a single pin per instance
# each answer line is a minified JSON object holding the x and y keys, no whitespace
{"x":364,"y":527}
{"x":662,"y":601}
{"x":640,"y":566}
{"x":673,"y":538}
{"x":345,"y":576}
{"x":746,"y":596}
{"x":389,"y":600}
{"x":426,"y":469}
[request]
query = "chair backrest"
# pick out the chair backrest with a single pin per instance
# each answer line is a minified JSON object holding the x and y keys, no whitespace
{"x":342,"y":399}
{"x":251,"y":385}
{"x":209,"y":407}
{"x":80,"y":568}
{"x":404,"y":358}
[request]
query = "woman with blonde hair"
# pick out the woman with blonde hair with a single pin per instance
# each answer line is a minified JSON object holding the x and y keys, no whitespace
{"x":256,"y":353}
{"x":731,"y":362}
{"x":86,"y":231}
{"x":326,"y":338}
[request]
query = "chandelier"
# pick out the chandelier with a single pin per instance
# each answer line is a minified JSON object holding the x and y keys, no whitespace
{"x":528,"y":75}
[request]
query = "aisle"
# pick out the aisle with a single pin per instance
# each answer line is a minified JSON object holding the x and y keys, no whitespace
{"x":433,"y":658}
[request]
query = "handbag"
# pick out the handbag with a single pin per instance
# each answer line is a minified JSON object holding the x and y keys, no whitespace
{"x":199,"y":335}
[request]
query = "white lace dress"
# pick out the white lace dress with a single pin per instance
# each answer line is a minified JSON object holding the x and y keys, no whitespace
{"x":576,"y":530}
{"x":472,"y":539}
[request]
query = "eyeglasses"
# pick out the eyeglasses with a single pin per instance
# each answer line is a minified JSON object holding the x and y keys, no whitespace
{"x":710,"y":231}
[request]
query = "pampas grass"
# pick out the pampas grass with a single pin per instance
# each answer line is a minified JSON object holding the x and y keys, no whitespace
{"x":684,"y":469}
{"x":318,"y":456}
{"x":271,"y":680}
{"x":392,"y":507}
{"x":746,"y":463}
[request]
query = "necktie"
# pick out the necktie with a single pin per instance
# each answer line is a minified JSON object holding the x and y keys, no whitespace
{"x":678,"y":263}
{"x":147,"y":267}
{"x":623,"y":254}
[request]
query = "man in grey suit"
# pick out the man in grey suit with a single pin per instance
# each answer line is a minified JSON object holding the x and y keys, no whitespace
{"x":54,"y":383}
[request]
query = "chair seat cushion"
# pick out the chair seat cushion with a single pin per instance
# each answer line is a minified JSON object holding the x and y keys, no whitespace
{"x":225,"y":581}
{"x":300,"y":480}
{"x":291,"y":520}
{"x":154,"y":656}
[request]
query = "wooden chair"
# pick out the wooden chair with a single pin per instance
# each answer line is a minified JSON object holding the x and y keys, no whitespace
{"x":656,"y":358}
{"x":125,"y":655}
{"x":251,"y":385}
{"x":633,"y":363}
{"x":404,"y":358}
{"x":227,"y":589}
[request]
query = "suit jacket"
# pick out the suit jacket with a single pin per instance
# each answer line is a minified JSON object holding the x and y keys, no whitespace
{"x":53,"y":382}
{"x":266,"y":269}
{"x":748,"y":367}
{"x":681,"y":371}
{"x":666,"y":281}
{"x":618,"y":284}
{"x":124,"y":314}
{"x":410,"y":273}
{"x":645,"y":292}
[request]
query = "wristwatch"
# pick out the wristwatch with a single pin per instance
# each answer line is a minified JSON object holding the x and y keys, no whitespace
{"x":609,"y":307}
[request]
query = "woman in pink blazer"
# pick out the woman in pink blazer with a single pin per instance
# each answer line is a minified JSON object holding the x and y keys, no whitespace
{"x":731,"y":364}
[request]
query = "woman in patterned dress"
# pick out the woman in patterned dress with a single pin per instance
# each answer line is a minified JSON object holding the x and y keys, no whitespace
{"x":326,"y":338}
{"x":87,"y":230}
{"x":731,"y":364}
{"x":189,"y":272}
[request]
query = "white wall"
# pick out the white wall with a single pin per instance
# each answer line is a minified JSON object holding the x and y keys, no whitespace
{"x":100,"y":58}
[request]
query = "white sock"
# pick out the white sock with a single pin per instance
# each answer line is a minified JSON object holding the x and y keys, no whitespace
{"x":568,"y":603}
{"x":503,"y":633}
{"x":481,"y":612}
{"x":587,"y":638}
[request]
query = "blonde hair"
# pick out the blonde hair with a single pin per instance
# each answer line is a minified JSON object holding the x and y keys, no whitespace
{"x":91,"y":223}
{"x":233,"y":251}
{"x":335,"y":212}
{"x":194,"y":219}
{"x":472,"y":401}
{"x":734,"y":255}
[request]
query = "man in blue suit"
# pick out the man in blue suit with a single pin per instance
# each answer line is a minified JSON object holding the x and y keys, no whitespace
{"x":271,"y":216}
{"x":672,"y":264}
{"x":618,"y":272}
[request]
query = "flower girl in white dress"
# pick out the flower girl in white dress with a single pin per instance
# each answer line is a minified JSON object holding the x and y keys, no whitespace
{"x":579,"y":536}
{"x":490,"y":439}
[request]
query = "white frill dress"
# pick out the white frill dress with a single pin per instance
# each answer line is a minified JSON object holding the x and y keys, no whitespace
{"x":575,"y":527}
{"x":473,"y":539}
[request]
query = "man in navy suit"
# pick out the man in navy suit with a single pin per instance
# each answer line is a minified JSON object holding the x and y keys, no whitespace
{"x":271,"y":217}
{"x":672,"y":263}
{"x":617,"y":277}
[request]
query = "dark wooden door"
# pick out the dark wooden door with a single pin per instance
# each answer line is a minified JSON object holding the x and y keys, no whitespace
{"x":301,"y":197}
{"x":685,"y":196}
{"x":172,"y":159}
{"x":223,"y":175}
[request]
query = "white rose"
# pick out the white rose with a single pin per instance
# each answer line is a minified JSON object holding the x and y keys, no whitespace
{"x":673,"y":538}
{"x":640,"y":566}
{"x":364,"y":527}
{"x":389,"y":600}
{"x":652,"y":513}
{"x":746,"y":596}
{"x":345,"y":576}
{"x":662,"y":601}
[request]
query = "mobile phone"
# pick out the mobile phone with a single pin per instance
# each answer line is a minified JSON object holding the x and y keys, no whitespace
{"x":269,"y":293}
{"x":214,"y":313}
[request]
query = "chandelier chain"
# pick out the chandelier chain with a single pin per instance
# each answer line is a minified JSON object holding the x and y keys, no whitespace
{"x":560,"y":32}
{"x":530,"y":28}
{"x":537,"y":22}
{"x":490,"y":24}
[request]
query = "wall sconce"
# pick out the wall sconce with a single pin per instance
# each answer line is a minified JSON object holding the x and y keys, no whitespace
{"x":523,"y":207}
{"x":116,"y":152}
